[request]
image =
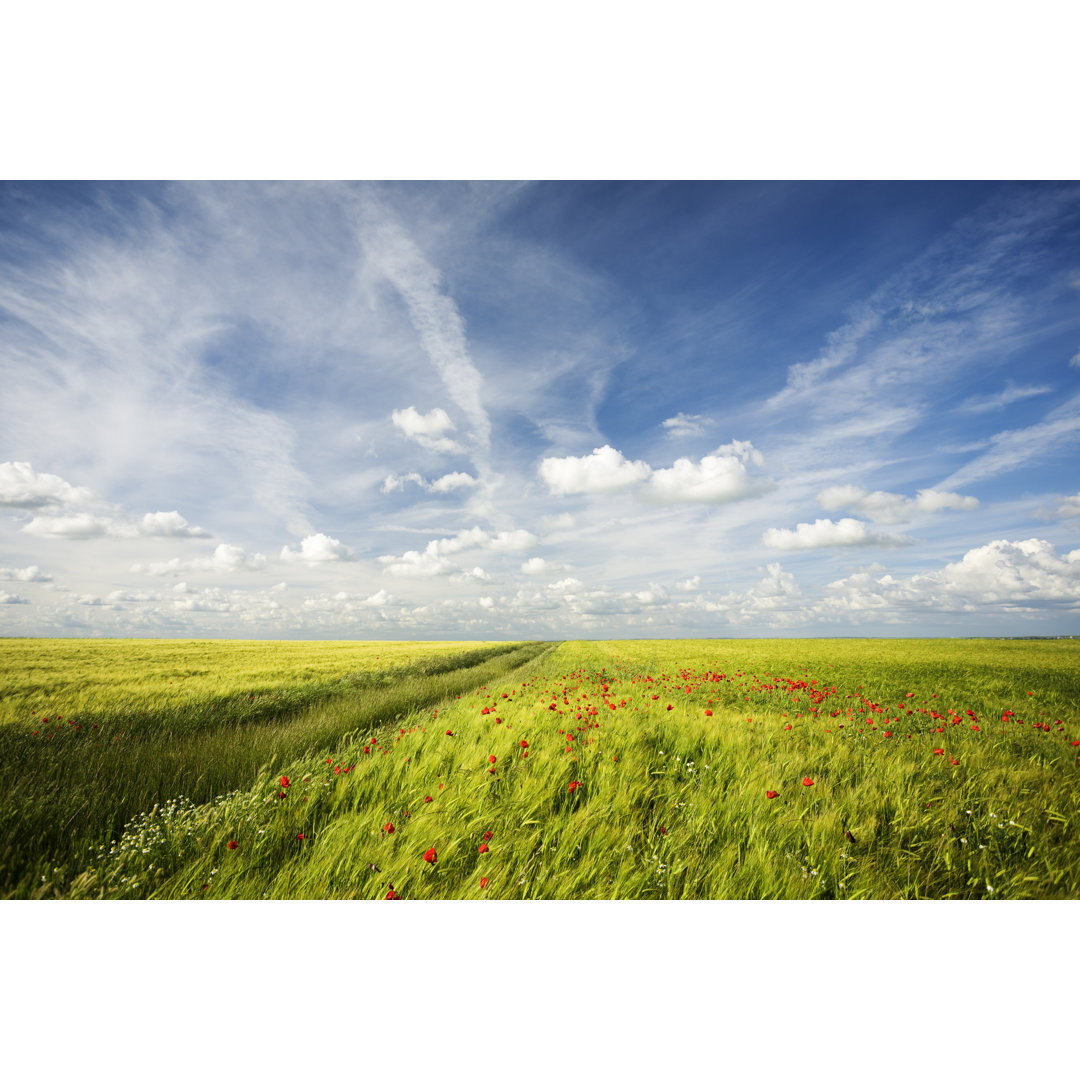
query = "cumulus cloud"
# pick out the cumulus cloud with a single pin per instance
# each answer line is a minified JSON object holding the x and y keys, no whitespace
{"x":317,"y":548}
{"x":442,"y":485}
{"x":11,"y":598}
{"x":1020,"y":576}
{"x":85,"y":526}
{"x":168,"y":523}
{"x":886,"y":507}
{"x":604,"y":470}
{"x":514,"y":540}
{"x":78,"y":527}
{"x":684,"y":424}
{"x":775,"y":600}
{"x":27,"y":573}
{"x":477,"y":573}
{"x":427,"y":429}
{"x":717,"y":477}
{"x":225,"y":559}
{"x":689,"y":585}
{"x":427,"y":563}
{"x":23,"y":488}
{"x":824,"y":532}
{"x":432,"y":561}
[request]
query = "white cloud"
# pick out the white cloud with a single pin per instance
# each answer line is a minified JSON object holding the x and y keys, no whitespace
{"x":775,"y":600}
{"x":168,"y":523}
{"x":535,"y":565}
{"x":77,"y":527}
{"x":230,"y":557}
{"x":86,"y":526}
{"x":442,"y":485}
{"x":317,"y":548}
{"x":1004,"y":575}
{"x":451,"y":482}
{"x":477,"y":573}
{"x":433,"y":313}
{"x":1011,"y":393}
{"x":886,"y":507}
{"x":565,"y":584}
{"x":930,"y":499}
{"x":225,"y":559}
{"x":22,"y":487}
{"x":432,"y":561}
{"x":684,"y":424}
{"x":1068,"y":507}
{"x":847,"y":532}
{"x":427,"y":429}
{"x":1075,"y":361}
{"x":28,"y":573}
{"x":719,"y":477}
{"x":604,"y":470}
{"x":689,"y":585}
{"x":416,"y":564}
{"x":513,"y":541}
{"x":11,"y":598}
{"x":1014,"y":449}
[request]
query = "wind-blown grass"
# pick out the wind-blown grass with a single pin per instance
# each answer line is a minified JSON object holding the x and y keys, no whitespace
{"x":900,"y":769}
{"x":61,"y":794}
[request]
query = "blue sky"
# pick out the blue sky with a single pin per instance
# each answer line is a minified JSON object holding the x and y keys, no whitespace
{"x":539,"y":410}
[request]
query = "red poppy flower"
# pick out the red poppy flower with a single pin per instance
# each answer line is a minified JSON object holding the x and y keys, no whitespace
{"x":524,"y":753}
{"x":299,"y":836}
{"x":388,"y":828}
{"x":524,"y":745}
{"x":449,"y":732}
{"x":391,"y":895}
{"x":574,"y":785}
{"x":787,"y":727}
{"x":483,"y":848}
{"x":483,"y":883}
{"x":491,"y":758}
{"x":284,"y":781}
{"x":807,"y":782}
{"x":367,"y":749}
{"x":337,"y":769}
{"x":939,"y":750}
{"x":427,"y":798}
{"x":771,"y":794}
{"x":486,"y":836}
{"x":430,"y":856}
{"x":232,"y":845}
{"x":708,"y":712}
{"x":663,"y":830}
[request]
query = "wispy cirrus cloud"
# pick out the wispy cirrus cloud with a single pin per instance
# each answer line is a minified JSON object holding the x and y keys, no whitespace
{"x":994,"y":402}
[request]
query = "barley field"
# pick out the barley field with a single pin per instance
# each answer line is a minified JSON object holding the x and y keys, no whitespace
{"x":581,"y":770}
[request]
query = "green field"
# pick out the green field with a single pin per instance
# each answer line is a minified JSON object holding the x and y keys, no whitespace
{"x":591,"y":770}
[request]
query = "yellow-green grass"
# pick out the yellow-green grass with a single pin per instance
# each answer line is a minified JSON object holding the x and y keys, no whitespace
{"x":167,"y":680}
{"x":65,"y":785}
{"x":672,"y":802}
